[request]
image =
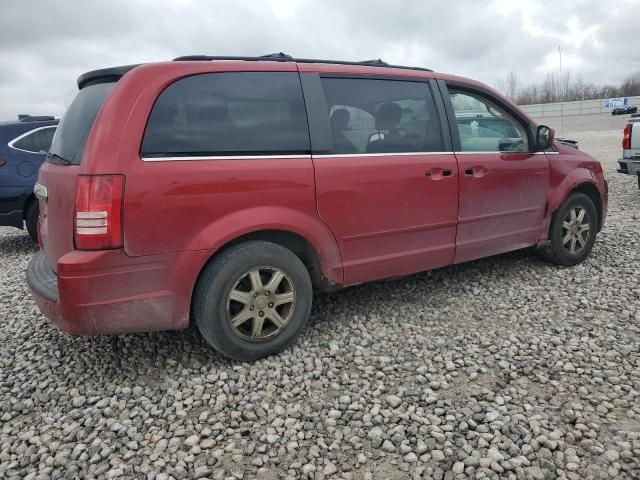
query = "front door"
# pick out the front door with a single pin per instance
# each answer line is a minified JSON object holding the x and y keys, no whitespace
{"x":503,"y":183}
{"x":387,"y":190}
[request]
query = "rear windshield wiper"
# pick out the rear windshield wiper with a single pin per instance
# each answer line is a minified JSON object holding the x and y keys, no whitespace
{"x":58,"y":158}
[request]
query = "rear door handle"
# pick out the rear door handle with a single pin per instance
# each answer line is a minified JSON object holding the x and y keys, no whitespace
{"x":438,"y":173}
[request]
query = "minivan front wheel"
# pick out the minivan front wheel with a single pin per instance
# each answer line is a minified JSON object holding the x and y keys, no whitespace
{"x":253,"y":300}
{"x":573,"y":231}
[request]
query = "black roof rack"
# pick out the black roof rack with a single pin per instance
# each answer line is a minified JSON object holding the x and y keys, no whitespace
{"x":35,"y":118}
{"x":114,"y":73}
{"x":283,"y":57}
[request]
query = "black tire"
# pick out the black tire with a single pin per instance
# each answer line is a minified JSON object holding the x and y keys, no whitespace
{"x":211,"y":299}
{"x":556,"y":251}
{"x":31,"y":219}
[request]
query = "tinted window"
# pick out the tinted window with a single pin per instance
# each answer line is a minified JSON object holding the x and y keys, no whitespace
{"x":74,"y":128}
{"x":36,"y":141}
{"x":229,"y":113}
{"x":485,"y":127}
{"x":381,"y":116}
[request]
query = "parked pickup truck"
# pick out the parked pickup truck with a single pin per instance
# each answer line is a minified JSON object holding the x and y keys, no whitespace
{"x":630,"y":162}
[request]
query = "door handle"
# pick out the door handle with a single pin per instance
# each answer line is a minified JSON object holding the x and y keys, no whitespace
{"x":477,"y":171}
{"x":438,"y":173}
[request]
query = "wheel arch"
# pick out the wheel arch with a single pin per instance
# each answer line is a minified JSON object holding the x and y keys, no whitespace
{"x":322,"y":276}
{"x":293,"y":242}
{"x":577,"y":185}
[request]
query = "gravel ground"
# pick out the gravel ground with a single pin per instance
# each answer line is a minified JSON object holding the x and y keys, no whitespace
{"x":501,"y":368}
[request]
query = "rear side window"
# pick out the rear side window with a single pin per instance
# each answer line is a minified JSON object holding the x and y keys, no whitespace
{"x":74,"y":128}
{"x":381,"y":116}
{"x":245,"y":113}
{"x":35,"y":141}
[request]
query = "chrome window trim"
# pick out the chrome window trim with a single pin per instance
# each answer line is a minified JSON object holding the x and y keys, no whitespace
{"x":10,"y":144}
{"x":221,"y":157}
{"x":329,"y":155}
{"x":397,"y":154}
{"x":507,"y":153}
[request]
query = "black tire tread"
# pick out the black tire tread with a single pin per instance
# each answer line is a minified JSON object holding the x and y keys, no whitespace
{"x":215,"y":268}
{"x":31,"y":220}
{"x":550,"y":251}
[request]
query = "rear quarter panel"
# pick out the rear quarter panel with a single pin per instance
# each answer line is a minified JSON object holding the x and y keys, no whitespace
{"x":173,"y":206}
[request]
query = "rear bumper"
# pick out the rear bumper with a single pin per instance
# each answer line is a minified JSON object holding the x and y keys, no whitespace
{"x":629,"y":166}
{"x":107,"y":292}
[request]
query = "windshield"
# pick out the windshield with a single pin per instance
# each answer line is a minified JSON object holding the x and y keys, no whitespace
{"x":73,"y":130}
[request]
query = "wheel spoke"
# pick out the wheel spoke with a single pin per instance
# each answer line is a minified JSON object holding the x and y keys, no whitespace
{"x":566,"y":238}
{"x":581,"y":240}
{"x":276,"y":319}
{"x":273,"y":284}
{"x":252,"y":314}
{"x":573,"y":215}
{"x":585,"y":227}
{"x":242,"y":297}
{"x":283,"y":298}
{"x":581,"y":215}
{"x":241,"y":317}
{"x":256,"y":281}
{"x":572,"y":248}
{"x":256,"y":329}
{"x":566,"y":225}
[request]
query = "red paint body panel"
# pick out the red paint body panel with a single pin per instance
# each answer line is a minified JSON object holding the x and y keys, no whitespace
{"x":367,"y":217}
{"x":570,"y":169}
{"x":56,"y":214}
{"x":389,"y":217}
{"x":502,"y":204}
{"x":109,"y":292}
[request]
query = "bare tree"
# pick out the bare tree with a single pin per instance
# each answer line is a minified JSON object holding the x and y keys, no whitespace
{"x":512,"y":85}
{"x":567,"y":88}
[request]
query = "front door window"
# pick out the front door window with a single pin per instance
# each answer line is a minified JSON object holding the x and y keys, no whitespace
{"x":485,"y":127}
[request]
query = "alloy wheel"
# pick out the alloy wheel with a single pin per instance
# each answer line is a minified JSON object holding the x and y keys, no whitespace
{"x":576,"y":230}
{"x":261,"y":303}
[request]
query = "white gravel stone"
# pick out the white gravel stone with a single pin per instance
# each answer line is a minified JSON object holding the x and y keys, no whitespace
{"x":394,"y":401}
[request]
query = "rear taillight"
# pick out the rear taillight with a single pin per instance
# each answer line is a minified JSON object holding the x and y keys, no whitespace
{"x":97,"y":219}
{"x":626,"y":137}
{"x":2,"y":162}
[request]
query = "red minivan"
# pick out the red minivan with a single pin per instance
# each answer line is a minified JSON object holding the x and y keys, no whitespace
{"x":228,"y":189}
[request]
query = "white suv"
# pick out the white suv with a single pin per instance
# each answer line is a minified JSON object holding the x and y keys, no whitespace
{"x":630,"y":162}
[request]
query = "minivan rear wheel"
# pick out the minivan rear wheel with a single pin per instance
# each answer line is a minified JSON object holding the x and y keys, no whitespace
{"x":572,"y":232}
{"x":31,"y":220}
{"x":253,"y":300}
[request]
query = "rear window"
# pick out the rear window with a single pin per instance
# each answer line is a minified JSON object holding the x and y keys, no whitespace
{"x":74,"y":128}
{"x":245,"y":113}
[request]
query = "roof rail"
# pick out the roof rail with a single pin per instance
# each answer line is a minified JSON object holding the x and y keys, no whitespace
{"x":283,"y":57}
{"x":34,"y":118}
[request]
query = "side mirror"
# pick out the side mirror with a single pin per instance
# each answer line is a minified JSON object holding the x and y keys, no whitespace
{"x":544,"y":137}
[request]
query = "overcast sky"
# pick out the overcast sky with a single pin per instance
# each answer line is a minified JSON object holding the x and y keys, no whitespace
{"x":45,"y":45}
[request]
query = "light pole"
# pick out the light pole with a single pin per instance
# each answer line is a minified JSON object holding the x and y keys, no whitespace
{"x":561,"y":94}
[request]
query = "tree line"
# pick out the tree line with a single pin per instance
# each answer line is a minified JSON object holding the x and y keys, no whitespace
{"x":565,"y":88}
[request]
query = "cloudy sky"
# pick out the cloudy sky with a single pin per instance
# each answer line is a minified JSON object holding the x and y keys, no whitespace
{"x":45,"y":45}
